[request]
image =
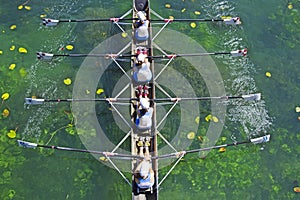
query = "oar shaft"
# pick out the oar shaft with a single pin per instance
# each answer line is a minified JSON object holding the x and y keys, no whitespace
{"x":216,"y":147}
{"x":97,"y":20}
{"x":108,"y":154}
{"x":187,"y":20}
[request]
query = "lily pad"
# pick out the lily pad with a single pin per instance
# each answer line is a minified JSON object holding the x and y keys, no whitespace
{"x":197,"y":120}
{"x":193,"y":24}
{"x":100,"y":91}
{"x":12,"y":66}
{"x":197,"y":12}
{"x":27,"y":7}
{"x":12,"y":134}
{"x":5,"y":96}
{"x":268,"y":74}
{"x":191,"y":135}
{"x":5,"y":112}
{"x":67,"y":81}
{"x":22,"y":50}
{"x":12,"y":27}
{"x":124,"y":34}
{"x":69,"y":47}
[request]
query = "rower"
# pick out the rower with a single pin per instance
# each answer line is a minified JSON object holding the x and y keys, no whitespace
{"x":144,"y":115}
{"x":144,"y":174}
{"x":141,"y":32}
{"x":141,"y":68}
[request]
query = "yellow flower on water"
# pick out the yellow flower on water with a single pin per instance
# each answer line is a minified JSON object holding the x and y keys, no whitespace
{"x":193,"y":25}
{"x":171,"y":17}
{"x":1,"y":52}
{"x":12,"y":66}
{"x":69,"y":47}
{"x":226,"y":17}
{"x":12,"y":27}
{"x":215,"y":119}
{"x":5,"y":96}
{"x":268,"y":74}
{"x":43,"y":15}
{"x":297,"y":109}
{"x":197,"y":12}
{"x":124,"y":34}
{"x":12,"y":134}
{"x":197,"y":120}
{"x":208,"y":118}
{"x":183,"y":9}
{"x":27,"y":7}
{"x":290,"y":6}
{"x":103,"y":158}
{"x":20,"y":7}
{"x":222,"y":149}
{"x":191,"y":135}
{"x":67,"y":81}
{"x":87,"y":91}
{"x":22,"y":50}
{"x":223,"y":139}
{"x":12,"y":47}
{"x":100,"y":91}
{"x":5,"y":112}
{"x":168,"y":5}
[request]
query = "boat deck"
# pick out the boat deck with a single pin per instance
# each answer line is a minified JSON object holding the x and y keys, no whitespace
{"x":143,"y":5}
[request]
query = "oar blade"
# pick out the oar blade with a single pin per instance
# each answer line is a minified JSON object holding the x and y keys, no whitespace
{"x":238,"y":53}
{"x":33,"y":101}
{"x":44,"y":56}
{"x":26,"y":144}
{"x":262,"y":139}
{"x":252,"y":97}
{"x":50,"y":22}
{"x":232,"y":21}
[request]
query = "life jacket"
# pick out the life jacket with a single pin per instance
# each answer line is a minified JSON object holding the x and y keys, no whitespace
{"x":145,"y":183}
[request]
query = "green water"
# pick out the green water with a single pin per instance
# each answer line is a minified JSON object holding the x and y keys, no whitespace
{"x":271,"y":32}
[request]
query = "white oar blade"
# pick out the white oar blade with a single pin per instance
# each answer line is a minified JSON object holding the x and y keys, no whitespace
{"x":259,"y":140}
{"x":33,"y":101}
{"x":44,"y":56}
{"x":232,"y":21}
{"x":252,"y":97}
{"x":238,"y":53}
{"x":26,"y":144}
{"x":50,"y":22}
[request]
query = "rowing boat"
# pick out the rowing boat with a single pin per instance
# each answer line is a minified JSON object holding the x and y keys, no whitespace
{"x":143,"y":100}
{"x":141,"y":85}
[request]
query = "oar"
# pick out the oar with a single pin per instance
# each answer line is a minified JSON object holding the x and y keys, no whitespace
{"x":54,"y":22}
{"x":236,"y":53}
{"x":49,"y":56}
{"x":258,"y":140}
{"x":229,"y":20}
{"x":248,"y":97}
{"x":26,"y":144}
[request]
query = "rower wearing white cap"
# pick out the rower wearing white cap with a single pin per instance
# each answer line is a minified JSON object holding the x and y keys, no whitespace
{"x":141,"y":68}
{"x":144,"y":174}
{"x":144,"y":115}
{"x":141,"y":33}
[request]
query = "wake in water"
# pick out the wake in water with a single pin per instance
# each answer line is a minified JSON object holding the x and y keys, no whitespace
{"x":252,"y":116}
{"x":42,"y":78}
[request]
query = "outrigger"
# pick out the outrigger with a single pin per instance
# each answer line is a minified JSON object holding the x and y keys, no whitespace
{"x":144,"y":156}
